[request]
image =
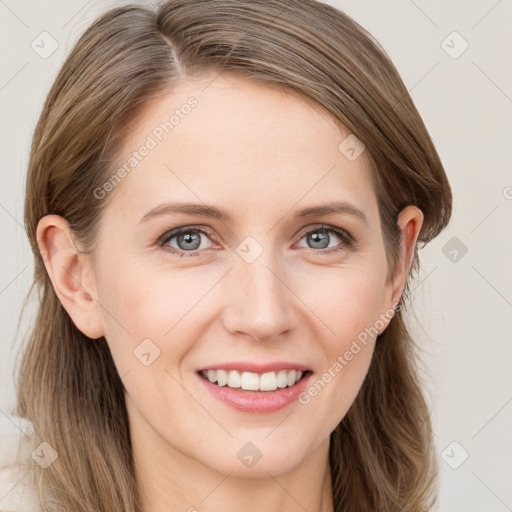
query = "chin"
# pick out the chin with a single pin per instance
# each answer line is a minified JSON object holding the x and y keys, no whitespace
{"x":257,"y":459}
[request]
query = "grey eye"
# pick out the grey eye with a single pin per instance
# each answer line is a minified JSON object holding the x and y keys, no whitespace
{"x":187,"y":240}
{"x":319,"y":238}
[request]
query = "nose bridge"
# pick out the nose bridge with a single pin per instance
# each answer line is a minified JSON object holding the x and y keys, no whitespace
{"x":260,"y":301}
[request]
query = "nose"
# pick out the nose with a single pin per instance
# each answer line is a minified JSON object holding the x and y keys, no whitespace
{"x":259,"y":303}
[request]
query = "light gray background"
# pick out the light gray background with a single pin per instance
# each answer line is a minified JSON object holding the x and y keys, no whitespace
{"x":463,"y":308}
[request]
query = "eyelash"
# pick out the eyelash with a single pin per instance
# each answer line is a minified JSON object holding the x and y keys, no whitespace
{"x":348,"y":242}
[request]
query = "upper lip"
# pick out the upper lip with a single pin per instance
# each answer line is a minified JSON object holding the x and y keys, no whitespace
{"x":243,"y":366}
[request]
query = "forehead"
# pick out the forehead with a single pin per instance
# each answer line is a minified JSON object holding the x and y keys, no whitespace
{"x":237,"y":143}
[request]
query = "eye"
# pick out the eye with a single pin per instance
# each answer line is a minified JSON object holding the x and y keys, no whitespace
{"x":320,"y":237}
{"x":188,"y":241}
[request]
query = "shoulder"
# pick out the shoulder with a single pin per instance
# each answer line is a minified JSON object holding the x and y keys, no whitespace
{"x":17,"y":492}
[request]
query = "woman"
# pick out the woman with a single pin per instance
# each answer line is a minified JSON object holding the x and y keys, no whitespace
{"x":225,"y":200}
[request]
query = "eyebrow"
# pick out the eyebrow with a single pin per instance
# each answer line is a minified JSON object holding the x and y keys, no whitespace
{"x":208,"y":211}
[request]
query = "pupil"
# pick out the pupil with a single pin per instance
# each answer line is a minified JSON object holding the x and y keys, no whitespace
{"x":188,"y":238}
{"x":319,"y":237}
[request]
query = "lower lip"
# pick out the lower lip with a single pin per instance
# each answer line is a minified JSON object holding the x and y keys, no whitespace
{"x":257,"y":401}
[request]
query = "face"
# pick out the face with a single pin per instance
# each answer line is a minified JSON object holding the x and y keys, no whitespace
{"x":267,"y":287}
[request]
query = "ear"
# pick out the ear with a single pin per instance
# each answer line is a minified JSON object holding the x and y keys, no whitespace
{"x":70,"y":273}
{"x":409,"y":221}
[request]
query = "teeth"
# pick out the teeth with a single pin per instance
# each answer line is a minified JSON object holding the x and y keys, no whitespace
{"x":252,"y":381}
{"x":222,"y":377}
{"x":268,"y":381}
{"x":282,"y":379}
{"x":234,"y":379}
{"x":291,"y":377}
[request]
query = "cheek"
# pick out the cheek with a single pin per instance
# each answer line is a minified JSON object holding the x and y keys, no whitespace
{"x":349,"y":306}
{"x":141,"y":302}
{"x":142,"y":297}
{"x":347,"y":301}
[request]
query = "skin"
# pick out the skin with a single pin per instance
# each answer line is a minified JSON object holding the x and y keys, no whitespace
{"x":262,"y":154}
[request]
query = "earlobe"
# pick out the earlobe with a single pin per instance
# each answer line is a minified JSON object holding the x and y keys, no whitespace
{"x":73,"y":284}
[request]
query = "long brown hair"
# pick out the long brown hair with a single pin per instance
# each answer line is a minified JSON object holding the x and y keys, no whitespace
{"x":382,"y":455}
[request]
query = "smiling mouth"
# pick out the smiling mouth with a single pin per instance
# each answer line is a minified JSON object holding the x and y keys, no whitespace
{"x":249,"y":381}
